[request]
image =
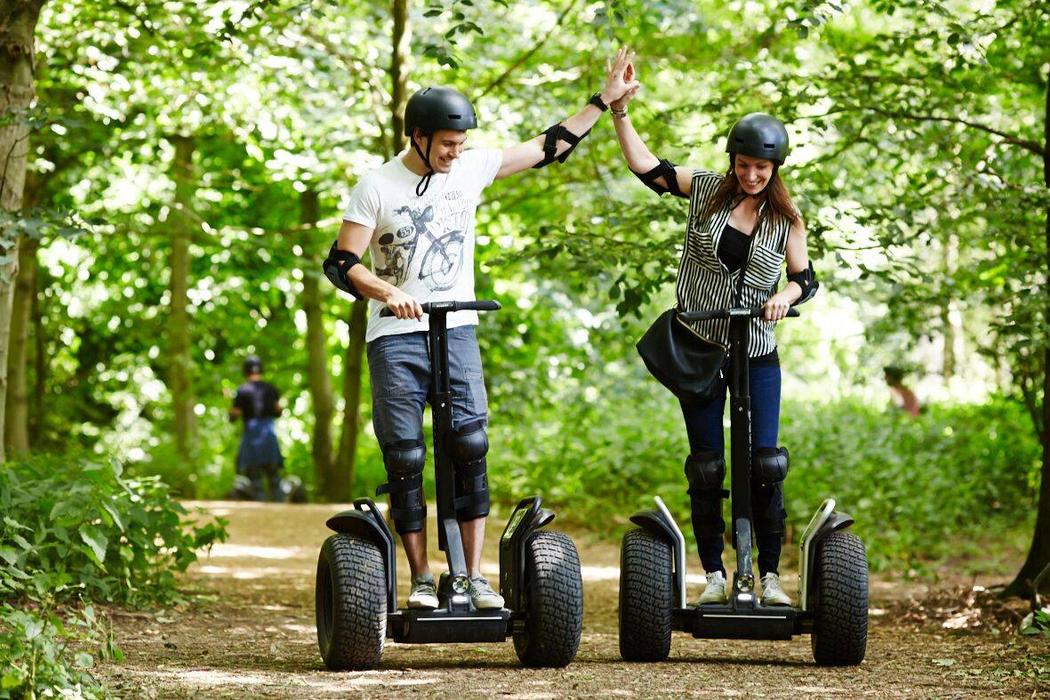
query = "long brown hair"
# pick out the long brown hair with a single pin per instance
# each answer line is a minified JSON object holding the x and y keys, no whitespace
{"x":776,"y":196}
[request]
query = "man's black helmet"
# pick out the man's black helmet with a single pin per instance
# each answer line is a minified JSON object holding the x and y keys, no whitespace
{"x":252,"y":365}
{"x":434,"y":108}
{"x":760,"y":136}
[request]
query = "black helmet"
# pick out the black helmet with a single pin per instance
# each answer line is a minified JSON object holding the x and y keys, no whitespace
{"x":252,"y":365}
{"x":434,"y":108}
{"x":760,"y":136}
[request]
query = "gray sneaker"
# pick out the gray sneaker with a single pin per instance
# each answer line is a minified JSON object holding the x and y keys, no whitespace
{"x":716,"y":589}
{"x":482,"y":595}
{"x":772,"y":593}
{"x":423,"y":594}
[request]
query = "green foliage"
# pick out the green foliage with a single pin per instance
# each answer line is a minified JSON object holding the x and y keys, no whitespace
{"x":41,"y":652}
{"x":78,"y":529}
{"x":917,"y":488}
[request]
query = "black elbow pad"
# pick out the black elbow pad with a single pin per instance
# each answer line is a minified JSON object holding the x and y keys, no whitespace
{"x":664,"y":169}
{"x":337,"y":267}
{"x":807,"y":279}
{"x":551,"y":137}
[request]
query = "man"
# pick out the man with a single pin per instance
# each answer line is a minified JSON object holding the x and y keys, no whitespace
{"x":416,"y":215}
{"x":259,"y":457}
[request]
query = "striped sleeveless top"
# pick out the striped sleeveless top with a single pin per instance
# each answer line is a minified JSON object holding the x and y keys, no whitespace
{"x":705,"y":283}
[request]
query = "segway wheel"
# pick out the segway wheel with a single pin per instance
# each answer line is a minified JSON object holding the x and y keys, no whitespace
{"x":350,"y":603}
{"x":646,"y":597}
{"x":840,"y":624}
{"x":553,"y":602}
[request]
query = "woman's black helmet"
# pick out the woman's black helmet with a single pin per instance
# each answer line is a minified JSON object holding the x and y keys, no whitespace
{"x":252,"y":365}
{"x":760,"y":136}
{"x":434,"y":108}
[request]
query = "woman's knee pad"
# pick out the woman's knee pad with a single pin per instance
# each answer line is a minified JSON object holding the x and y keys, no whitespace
{"x":767,"y":506}
{"x":769,"y":465}
{"x":404,"y":461}
{"x":706,"y":471}
{"x":467,"y":447}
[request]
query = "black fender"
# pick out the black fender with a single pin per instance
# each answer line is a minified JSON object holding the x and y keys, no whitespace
{"x":835,"y":521}
{"x":527,"y":517}
{"x":366,"y":521}
{"x":656,"y":523}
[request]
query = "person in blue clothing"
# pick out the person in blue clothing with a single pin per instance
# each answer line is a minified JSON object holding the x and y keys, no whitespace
{"x":259,"y":458}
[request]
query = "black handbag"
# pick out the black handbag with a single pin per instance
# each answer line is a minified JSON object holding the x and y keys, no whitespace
{"x":680,"y":359}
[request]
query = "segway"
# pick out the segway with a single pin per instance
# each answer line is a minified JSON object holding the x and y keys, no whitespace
{"x":356,"y":589}
{"x":833,"y":584}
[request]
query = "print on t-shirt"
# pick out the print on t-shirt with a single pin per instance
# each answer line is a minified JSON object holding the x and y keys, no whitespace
{"x":443,"y":256}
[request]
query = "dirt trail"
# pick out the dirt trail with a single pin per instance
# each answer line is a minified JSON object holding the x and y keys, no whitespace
{"x":254,"y":635}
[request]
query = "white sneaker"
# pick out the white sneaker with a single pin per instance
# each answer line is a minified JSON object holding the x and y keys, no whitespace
{"x":772,"y":593}
{"x":482,"y":595}
{"x":423,"y":594}
{"x":716,"y":589}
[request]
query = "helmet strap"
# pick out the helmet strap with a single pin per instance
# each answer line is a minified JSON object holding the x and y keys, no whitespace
{"x":424,"y":182}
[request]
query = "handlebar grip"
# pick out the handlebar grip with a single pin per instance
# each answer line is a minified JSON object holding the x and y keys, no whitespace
{"x":727,"y":313}
{"x":447,"y":306}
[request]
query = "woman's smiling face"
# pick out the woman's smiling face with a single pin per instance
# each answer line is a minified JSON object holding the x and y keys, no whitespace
{"x":753,"y":174}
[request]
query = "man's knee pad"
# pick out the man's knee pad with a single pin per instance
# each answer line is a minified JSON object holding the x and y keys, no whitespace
{"x":769,"y":465}
{"x":706,"y":471}
{"x":467,"y":447}
{"x":404,"y":461}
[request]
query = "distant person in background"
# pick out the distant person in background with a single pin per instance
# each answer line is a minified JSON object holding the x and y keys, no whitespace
{"x":259,"y":458}
{"x":903,"y":397}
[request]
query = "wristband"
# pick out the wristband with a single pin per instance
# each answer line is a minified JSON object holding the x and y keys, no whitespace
{"x":596,"y":100}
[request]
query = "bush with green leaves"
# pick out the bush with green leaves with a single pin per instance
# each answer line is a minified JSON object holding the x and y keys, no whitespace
{"x":76,"y":531}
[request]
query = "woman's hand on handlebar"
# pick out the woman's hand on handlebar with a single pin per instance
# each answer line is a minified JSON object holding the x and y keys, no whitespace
{"x":403,"y":305}
{"x":776,"y":307}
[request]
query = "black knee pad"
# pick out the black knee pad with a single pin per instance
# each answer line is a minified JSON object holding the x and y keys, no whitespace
{"x":404,"y":461}
{"x":767,"y":508}
{"x":706,"y":471}
{"x":467,"y":447}
{"x":769,"y":465}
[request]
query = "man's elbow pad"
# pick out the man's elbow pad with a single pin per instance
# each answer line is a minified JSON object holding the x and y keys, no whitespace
{"x":337,"y":269}
{"x":664,"y":169}
{"x":551,"y":137}
{"x":807,"y":279}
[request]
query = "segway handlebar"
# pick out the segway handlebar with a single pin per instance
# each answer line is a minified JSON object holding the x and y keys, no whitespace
{"x":726,"y":313}
{"x":449,"y":306}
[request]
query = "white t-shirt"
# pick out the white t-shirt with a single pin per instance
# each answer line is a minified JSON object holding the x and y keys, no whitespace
{"x":423,"y":245}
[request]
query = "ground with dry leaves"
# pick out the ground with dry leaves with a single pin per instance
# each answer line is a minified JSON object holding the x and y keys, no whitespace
{"x":253,"y":634}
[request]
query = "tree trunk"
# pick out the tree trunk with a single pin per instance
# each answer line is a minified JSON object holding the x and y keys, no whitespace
{"x":1039,"y":553}
{"x":950,"y":316}
{"x":331,"y":486}
{"x":17,"y":27}
{"x":16,"y":430}
{"x":354,"y":364}
{"x":40,"y":362}
{"x":352,"y":367}
{"x":180,"y":368}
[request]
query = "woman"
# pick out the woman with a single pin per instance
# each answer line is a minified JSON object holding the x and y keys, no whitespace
{"x":742,"y":226}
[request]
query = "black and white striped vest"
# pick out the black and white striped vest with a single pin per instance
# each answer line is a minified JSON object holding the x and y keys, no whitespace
{"x":705,"y":283}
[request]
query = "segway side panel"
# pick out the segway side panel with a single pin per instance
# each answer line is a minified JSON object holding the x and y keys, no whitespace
{"x":661,"y":523}
{"x":825,"y":521}
{"x":366,"y":522}
{"x":527,"y":517}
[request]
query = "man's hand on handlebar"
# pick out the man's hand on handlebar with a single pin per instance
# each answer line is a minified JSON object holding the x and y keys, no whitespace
{"x":403,"y":305}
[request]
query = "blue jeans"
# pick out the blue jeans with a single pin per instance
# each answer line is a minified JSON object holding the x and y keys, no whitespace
{"x":703,"y":425}
{"x":399,"y":367}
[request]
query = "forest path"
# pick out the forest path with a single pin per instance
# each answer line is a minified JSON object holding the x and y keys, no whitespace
{"x":254,"y":636}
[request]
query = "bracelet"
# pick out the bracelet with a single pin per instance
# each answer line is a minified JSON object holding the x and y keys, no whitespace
{"x":619,"y":113}
{"x":596,"y":100}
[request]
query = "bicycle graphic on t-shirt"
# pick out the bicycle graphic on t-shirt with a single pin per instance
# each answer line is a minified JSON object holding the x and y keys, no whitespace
{"x":441,"y":263}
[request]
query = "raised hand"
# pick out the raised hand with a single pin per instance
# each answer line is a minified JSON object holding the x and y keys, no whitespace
{"x":619,"y":78}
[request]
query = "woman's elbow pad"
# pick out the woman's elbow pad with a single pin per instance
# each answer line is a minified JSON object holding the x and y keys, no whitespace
{"x":664,"y":169}
{"x":807,"y":280}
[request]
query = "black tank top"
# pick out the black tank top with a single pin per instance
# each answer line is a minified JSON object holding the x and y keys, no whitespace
{"x":732,"y":249}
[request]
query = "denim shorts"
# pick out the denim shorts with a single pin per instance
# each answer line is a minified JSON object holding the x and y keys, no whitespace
{"x":399,"y":367}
